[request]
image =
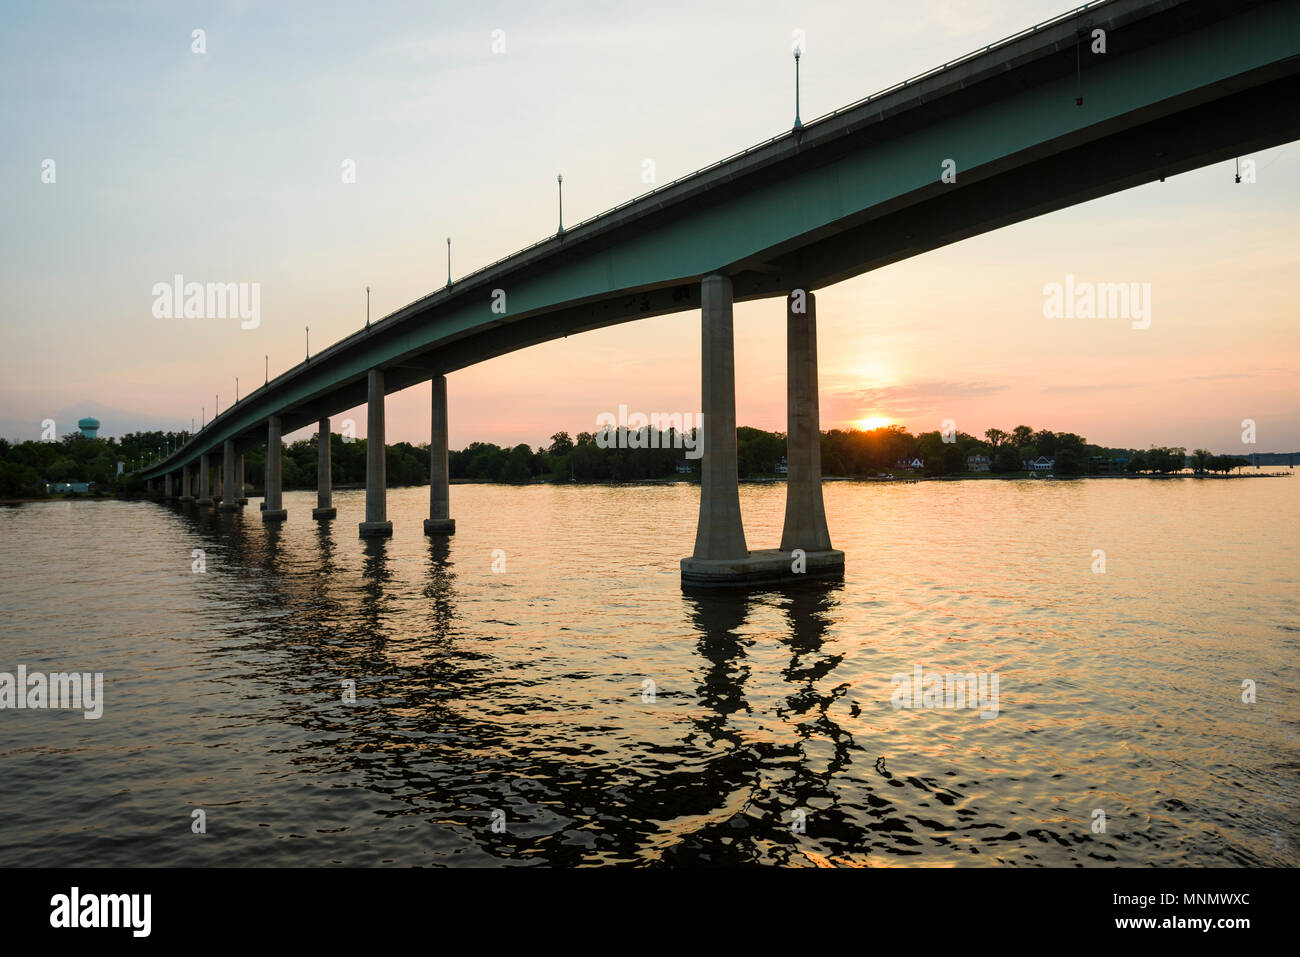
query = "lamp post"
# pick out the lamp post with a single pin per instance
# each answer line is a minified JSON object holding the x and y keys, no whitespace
{"x":559,"y":180}
{"x":308,"y":328}
{"x":268,"y":369}
{"x":448,"y":260}
{"x":236,"y":390}
{"x":367,"y":307}
{"x":798,"y":124}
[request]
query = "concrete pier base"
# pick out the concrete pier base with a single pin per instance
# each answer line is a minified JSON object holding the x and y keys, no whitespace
{"x":205,"y":480}
{"x":376,"y":524}
{"x":271,"y":508}
{"x":439,"y":521}
{"x":228,"y":492}
{"x":766,"y":566}
{"x":324,"y":478}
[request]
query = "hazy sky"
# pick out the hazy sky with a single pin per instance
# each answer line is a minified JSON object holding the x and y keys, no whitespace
{"x":226,"y":166}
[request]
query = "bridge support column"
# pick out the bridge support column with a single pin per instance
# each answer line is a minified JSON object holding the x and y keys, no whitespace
{"x":205,"y":479}
{"x":168,"y":489}
{"x":720,"y":535}
{"x":274,"y":510}
{"x":324,"y":489}
{"x":376,"y":524}
{"x":229,"y":494}
{"x":240,"y":497}
{"x":187,"y":484}
{"x":805,"y":513}
{"x":439,"y":521}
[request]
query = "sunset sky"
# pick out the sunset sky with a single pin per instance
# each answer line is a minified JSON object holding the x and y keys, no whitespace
{"x":225,"y":166}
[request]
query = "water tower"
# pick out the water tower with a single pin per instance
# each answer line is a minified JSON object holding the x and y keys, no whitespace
{"x":89,"y":427}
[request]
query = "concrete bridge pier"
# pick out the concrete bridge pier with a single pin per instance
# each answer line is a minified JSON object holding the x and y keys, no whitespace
{"x":324,"y":487}
{"x":205,"y":479}
{"x":187,"y":484}
{"x":721,"y":558}
{"x":229,"y":494}
{"x":376,"y":524}
{"x":805,"y":513}
{"x":439,"y":521}
{"x":720,"y":549}
{"x":168,"y":489}
{"x":274,"y":511}
{"x":240,"y":497}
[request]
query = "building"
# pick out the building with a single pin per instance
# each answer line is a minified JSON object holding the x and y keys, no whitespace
{"x":781,"y":467}
{"x":913,"y":463}
{"x":89,"y":427}
{"x":1040,"y":464}
{"x":978,"y":463}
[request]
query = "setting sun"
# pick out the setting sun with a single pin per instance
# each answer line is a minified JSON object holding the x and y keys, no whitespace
{"x":873,"y":422}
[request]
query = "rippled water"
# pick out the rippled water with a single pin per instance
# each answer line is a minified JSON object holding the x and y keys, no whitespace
{"x":521,"y":691}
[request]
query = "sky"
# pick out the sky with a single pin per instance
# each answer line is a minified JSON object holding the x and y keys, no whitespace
{"x":227,"y":165}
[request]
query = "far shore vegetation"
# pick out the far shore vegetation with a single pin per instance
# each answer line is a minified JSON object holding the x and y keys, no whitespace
{"x":79,"y":465}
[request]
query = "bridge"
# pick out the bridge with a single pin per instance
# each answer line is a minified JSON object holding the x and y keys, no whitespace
{"x":1108,"y":96}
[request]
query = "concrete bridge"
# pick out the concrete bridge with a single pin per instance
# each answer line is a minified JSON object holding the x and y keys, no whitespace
{"x":1108,"y":96}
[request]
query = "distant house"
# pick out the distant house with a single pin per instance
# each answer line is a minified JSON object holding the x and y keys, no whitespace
{"x":913,"y":463}
{"x":684,"y":467}
{"x":978,"y":463}
{"x":1040,"y":464}
{"x":781,"y":467}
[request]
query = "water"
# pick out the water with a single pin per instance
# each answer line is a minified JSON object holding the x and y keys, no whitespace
{"x":520,"y":691}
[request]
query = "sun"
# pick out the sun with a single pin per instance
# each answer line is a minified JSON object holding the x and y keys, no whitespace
{"x":873,"y":422}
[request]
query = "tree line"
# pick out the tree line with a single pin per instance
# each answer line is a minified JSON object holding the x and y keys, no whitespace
{"x":25,"y":467}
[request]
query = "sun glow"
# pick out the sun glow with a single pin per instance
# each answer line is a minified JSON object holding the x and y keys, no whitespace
{"x":873,"y":422}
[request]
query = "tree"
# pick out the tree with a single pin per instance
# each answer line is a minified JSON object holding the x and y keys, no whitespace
{"x":996,"y":437}
{"x":1067,"y":462}
{"x":561,"y":444}
{"x":1007,"y":460}
{"x":1022,"y":435}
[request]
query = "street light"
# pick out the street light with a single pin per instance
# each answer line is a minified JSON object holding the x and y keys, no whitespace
{"x":448,"y":260}
{"x":798,"y":124}
{"x":308,"y":328}
{"x":367,"y":307}
{"x":559,"y":179}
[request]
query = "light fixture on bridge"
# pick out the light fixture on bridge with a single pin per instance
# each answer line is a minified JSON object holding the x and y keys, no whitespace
{"x":268,"y":369}
{"x":367,"y":307}
{"x":236,"y":390}
{"x":449,"y":261}
{"x":798,"y":124}
{"x":559,"y":180}
{"x":308,"y":328}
